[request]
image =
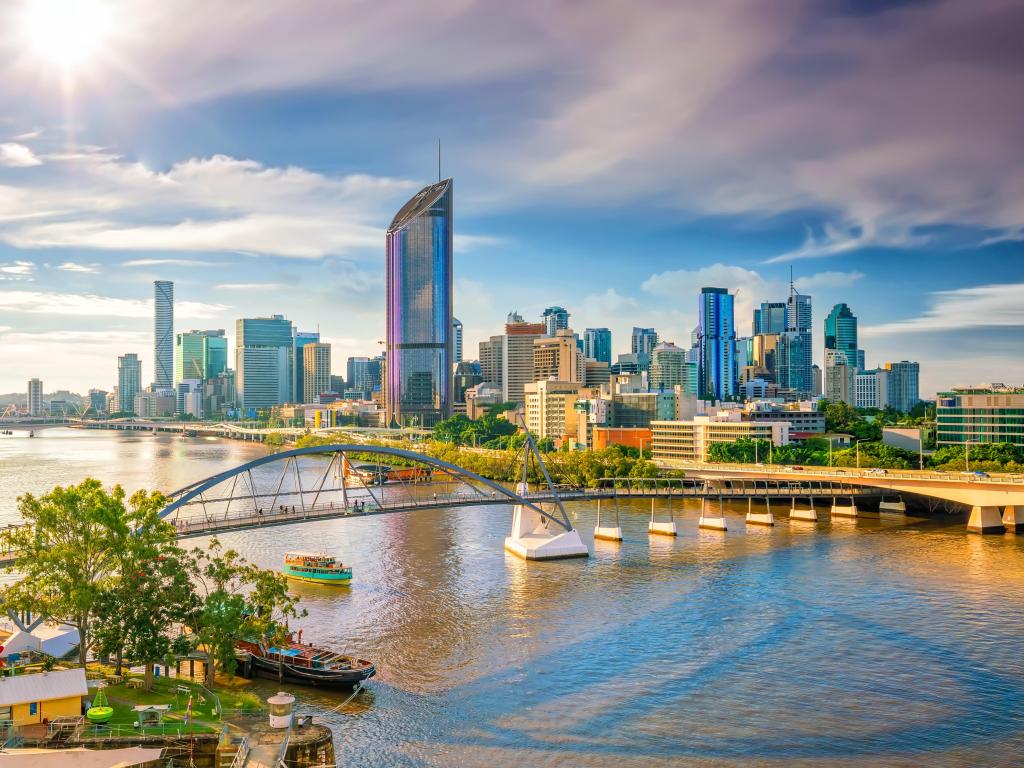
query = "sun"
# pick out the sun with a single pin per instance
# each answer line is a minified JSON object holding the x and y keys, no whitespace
{"x":66,"y":34}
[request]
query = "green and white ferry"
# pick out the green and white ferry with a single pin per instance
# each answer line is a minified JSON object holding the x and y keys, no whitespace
{"x":316,"y":568}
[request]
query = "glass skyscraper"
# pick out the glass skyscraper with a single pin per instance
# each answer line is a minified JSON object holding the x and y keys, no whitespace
{"x":129,"y":381}
{"x":717,"y":337}
{"x":418,"y":345}
{"x":597,"y":345}
{"x":302,"y":338}
{"x":841,"y":334}
{"x":163,"y":334}
{"x":555,"y":319}
{"x":200,"y":355}
{"x":264,"y":361}
{"x":770,"y":318}
{"x":457,"y":340}
{"x":795,"y":355}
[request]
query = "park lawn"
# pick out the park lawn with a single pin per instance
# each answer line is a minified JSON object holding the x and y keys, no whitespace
{"x":123,"y":699}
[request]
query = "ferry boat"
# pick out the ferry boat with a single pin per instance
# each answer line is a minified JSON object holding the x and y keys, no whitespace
{"x":316,"y":568}
{"x":303,"y":663}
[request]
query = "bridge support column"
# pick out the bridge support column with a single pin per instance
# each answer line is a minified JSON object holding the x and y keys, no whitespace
{"x":889,"y":505}
{"x":711,"y":521}
{"x":842,"y":510}
{"x":661,"y":528}
{"x":536,"y":538}
{"x":807,"y":515}
{"x":985,"y":520}
{"x":1013,"y":518}
{"x":760,"y":518}
{"x":608,"y":532}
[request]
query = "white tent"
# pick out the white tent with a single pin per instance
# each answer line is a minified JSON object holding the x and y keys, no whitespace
{"x":55,"y":639}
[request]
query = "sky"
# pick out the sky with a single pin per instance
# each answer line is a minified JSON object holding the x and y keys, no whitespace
{"x":612,"y":158}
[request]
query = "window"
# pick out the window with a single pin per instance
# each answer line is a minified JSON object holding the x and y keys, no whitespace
{"x":6,"y":714}
{"x":33,"y":708}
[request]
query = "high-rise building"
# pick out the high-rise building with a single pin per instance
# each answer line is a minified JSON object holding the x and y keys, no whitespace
{"x":467,"y":374}
{"x":200,"y":355}
{"x":35,"y":397}
{"x":872,"y":389}
{"x":717,"y":337}
{"x":316,"y":370}
{"x":264,"y":361}
{"x":841,"y":335}
{"x":418,"y":345}
{"x":795,"y":355}
{"x":986,"y":413}
{"x":163,"y":335}
{"x":129,"y":381}
{"x":597,"y":345}
{"x":97,"y":400}
{"x":770,"y":317}
{"x":903,"y":385}
{"x":558,"y":357}
{"x":457,"y":340}
{"x":491,"y":353}
{"x":668,"y":366}
{"x":555,"y":319}
{"x":302,"y":338}
{"x":840,"y":378}
{"x":515,"y":348}
{"x":642,"y":343}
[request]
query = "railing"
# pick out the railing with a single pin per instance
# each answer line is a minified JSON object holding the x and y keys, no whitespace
{"x":867,"y":473}
{"x":242,"y":754}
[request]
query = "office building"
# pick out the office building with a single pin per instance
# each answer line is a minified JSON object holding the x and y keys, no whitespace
{"x":550,"y":409}
{"x":597,"y":345}
{"x":691,"y":440}
{"x":555,"y":319}
{"x":517,"y":363}
{"x":794,"y":356}
{"x":872,"y":389}
{"x":491,"y":354}
{"x":803,"y":417}
{"x":418,"y":343}
{"x":456,"y":340}
{"x":597,"y":373}
{"x":903,"y":385}
{"x":154,"y":403}
{"x":189,"y":398}
{"x":840,"y":377}
{"x":841,"y":335}
{"x":642,"y":344}
{"x":129,"y":381}
{"x":627,"y":363}
{"x":200,"y":355}
{"x":97,"y":401}
{"x":316,"y":370}
{"x":717,"y":341}
{"x":770,"y":317}
{"x":467,"y":374}
{"x":163,"y":334}
{"x":35,"y":397}
{"x":302,"y":338}
{"x":668,"y":366}
{"x":558,"y":357}
{"x":264,"y":361}
{"x":986,"y":413}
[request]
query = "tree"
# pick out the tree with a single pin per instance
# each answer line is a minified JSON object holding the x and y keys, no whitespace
{"x":72,"y":548}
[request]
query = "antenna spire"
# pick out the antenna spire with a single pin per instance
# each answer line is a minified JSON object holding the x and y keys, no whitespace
{"x":439,"y":159}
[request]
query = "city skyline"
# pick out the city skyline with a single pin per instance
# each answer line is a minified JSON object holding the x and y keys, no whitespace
{"x":270,"y":191}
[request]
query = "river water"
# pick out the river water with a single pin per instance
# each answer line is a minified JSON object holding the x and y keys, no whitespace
{"x":881,"y":643}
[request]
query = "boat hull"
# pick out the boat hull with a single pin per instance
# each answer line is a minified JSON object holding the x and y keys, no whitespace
{"x":325,"y":678}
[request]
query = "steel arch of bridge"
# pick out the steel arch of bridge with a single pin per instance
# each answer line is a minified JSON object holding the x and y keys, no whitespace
{"x":193,"y":492}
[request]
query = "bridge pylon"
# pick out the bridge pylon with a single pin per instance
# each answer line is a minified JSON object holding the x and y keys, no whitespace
{"x":608,"y":532}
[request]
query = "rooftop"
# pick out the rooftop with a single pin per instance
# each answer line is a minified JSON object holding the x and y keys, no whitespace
{"x":42,"y":686}
{"x":419,"y":203}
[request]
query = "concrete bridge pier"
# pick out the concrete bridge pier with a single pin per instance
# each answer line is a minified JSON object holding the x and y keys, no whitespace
{"x":843,"y":510}
{"x":534,"y":537}
{"x":1013,"y":518}
{"x":662,"y":528}
{"x":608,"y":532}
{"x":892,"y":505}
{"x":760,"y":518}
{"x":809,"y":515}
{"x":986,"y":520}
{"x":710,"y":520}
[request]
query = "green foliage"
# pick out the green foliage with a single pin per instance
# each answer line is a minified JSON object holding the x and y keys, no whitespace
{"x":988,"y":457}
{"x":844,"y":418}
{"x":461,"y":430}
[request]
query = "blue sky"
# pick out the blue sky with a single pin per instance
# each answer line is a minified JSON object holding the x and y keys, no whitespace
{"x":610,"y":158}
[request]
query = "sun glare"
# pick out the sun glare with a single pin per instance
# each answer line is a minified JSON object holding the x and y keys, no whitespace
{"x":66,"y":34}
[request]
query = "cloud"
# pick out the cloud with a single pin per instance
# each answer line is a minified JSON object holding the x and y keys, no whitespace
{"x":169,"y":263}
{"x":19,"y":268}
{"x":18,"y":156}
{"x":214,"y":204}
{"x":249,"y":286}
{"x":91,"y":305}
{"x":70,"y":266}
{"x":827,"y":280}
{"x":975,"y":307}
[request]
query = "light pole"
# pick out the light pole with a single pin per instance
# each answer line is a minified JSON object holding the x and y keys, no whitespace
{"x":967,"y":455}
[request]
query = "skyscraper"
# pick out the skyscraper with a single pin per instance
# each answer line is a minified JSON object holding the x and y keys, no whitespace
{"x":840,"y":378}
{"x":795,"y":354}
{"x":668,"y":366}
{"x":555,"y":319}
{"x":903,"y":385}
{"x":264,"y":361}
{"x":316,"y":370}
{"x":642,"y":343}
{"x":201,"y":355}
{"x":419,"y":349}
{"x":597,"y":345}
{"x":558,"y":357}
{"x":163,"y":334}
{"x":35,"y":397}
{"x":129,"y":381}
{"x":457,"y":340}
{"x":302,"y":338}
{"x":717,"y":336}
{"x":517,"y":366}
{"x":770,"y":318}
{"x":841,"y":334}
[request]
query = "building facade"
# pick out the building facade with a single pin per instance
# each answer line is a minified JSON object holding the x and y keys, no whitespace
{"x":550,"y":409}
{"x":264,"y":361}
{"x":558,"y":357}
{"x":316,"y":370}
{"x":770,"y":317}
{"x":840,"y":377}
{"x":872,"y":389}
{"x":418,"y":344}
{"x":163,"y":334}
{"x":456,"y":341}
{"x":642,"y":343}
{"x":517,"y":365}
{"x":668,"y":366}
{"x":692,"y":440}
{"x":555,"y":319}
{"x":841,"y":335}
{"x":903,"y":385}
{"x":35,"y":397}
{"x":983,"y":414}
{"x":302,"y":338}
{"x":597,"y":345}
{"x":129,"y":381}
{"x":717,"y":340}
{"x":200,"y":355}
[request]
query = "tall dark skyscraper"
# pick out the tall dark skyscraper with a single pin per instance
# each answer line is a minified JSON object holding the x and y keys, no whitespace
{"x":717,"y":338}
{"x":841,"y":333}
{"x":419,"y":349}
{"x":163,"y":334}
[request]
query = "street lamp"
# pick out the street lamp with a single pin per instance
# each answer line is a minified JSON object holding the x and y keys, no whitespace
{"x":856,"y":446}
{"x":967,"y":455}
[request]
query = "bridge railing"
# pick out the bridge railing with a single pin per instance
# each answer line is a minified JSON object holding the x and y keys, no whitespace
{"x":867,"y":473}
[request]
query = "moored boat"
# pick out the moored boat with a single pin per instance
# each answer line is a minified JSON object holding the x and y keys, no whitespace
{"x":307,"y":664}
{"x":316,"y":568}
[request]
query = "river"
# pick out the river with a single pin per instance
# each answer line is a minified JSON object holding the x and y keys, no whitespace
{"x":868,"y":642}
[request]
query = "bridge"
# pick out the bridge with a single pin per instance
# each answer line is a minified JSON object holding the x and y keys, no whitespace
{"x":996,"y":501}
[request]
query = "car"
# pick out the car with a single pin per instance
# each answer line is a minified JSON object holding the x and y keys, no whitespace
{"x":840,"y":471}
{"x":796,"y":468}
{"x":877,"y":471}
{"x":979,"y":473}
